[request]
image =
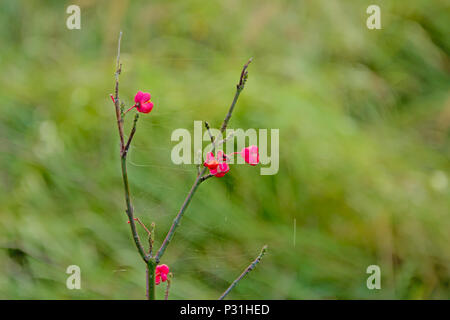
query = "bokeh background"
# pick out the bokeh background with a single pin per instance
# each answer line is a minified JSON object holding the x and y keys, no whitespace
{"x":364,"y":119}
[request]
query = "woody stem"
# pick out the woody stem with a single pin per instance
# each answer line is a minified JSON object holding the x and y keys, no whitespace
{"x":150,"y":277}
{"x":123,"y":157}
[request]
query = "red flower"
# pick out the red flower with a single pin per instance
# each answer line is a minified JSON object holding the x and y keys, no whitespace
{"x":143,"y":103}
{"x":250,"y":155}
{"x":211,"y":162}
{"x":221,"y":170}
{"x":218,"y":167}
{"x":161,"y":273}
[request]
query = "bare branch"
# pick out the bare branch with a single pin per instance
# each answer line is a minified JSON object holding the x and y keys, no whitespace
{"x":199,"y":159}
{"x":200,"y":176}
{"x":118,"y":65}
{"x":151,"y":239}
{"x":213,"y":139}
{"x":205,"y":177}
{"x":133,"y":131}
{"x":177,"y":219}
{"x":123,"y":157}
{"x":244,"y":75}
{"x":239,"y":88}
{"x":142,"y":225}
{"x":243,"y":274}
{"x":169,"y":282}
{"x":116,"y":96}
{"x":221,"y":142}
{"x":130,"y":210}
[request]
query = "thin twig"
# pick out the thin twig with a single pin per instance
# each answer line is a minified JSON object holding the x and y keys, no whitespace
{"x":123,"y":155}
{"x":177,"y":219}
{"x":169,"y":282}
{"x":200,"y":177}
{"x":151,"y":239}
{"x":199,"y":159}
{"x":243,"y":274}
{"x":205,"y":177}
{"x":116,"y":95}
{"x":221,"y":142}
{"x":130,"y":211}
{"x":118,"y":55}
{"x":133,"y":131}
{"x":239,"y":88}
{"x":213,"y":139}
{"x":143,"y":225}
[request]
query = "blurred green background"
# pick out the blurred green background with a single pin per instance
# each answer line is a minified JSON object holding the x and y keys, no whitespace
{"x":364,"y":119}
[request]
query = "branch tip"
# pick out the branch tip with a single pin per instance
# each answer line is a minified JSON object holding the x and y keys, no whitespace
{"x":243,"y":274}
{"x":244,"y":75}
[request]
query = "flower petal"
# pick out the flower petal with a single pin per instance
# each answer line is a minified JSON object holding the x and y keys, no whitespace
{"x":210,"y":157}
{"x":138,"y":96}
{"x":224,"y":167}
{"x":145,"y":107}
{"x":222,"y":170}
{"x":210,"y":162}
{"x":145,"y":97}
{"x":250,"y":155}
{"x":163,"y":268}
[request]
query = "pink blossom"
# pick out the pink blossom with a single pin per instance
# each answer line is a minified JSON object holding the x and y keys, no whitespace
{"x":221,"y":170}
{"x":217,"y":167}
{"x":161,"y":273}
{"x":250,"y":155}
{"x":142,"y":102}
{"x":211,"y":161}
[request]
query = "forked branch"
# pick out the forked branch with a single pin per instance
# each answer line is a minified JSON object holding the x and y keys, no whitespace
{"x":201,"y":177}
